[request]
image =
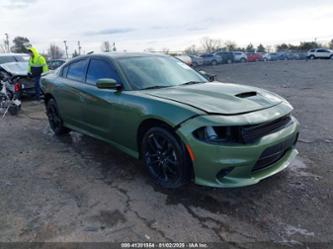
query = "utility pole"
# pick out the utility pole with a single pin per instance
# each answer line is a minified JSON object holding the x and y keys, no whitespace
{"x":7,"y":43}
{"x":66,"y":49}
{"x":79,"y":47}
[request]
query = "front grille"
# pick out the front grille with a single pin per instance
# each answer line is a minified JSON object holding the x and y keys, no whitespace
{"x":273,"y":154}
{"x":252,"y":133}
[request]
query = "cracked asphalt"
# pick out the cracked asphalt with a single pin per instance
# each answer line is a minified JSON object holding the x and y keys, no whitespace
{"x":76,"y":188}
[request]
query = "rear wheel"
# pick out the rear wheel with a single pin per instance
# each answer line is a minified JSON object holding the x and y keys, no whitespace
{"x":214,"y":62}
{"x":55,"y":121}
{"x":243,"y":60}
{"x":165,"y":158}
{"x":312,"y":57}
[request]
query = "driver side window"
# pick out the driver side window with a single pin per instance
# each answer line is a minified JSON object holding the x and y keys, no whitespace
{"x":99,"y":69}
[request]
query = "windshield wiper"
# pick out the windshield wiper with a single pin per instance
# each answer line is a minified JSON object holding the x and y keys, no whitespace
{"x":154,"y":87}
{"x":192,"y":83}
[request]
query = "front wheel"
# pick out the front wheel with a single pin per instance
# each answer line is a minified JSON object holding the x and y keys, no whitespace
{"x":165,"y":158}
{"x":214,"y":63}
{"x":55,"y":121}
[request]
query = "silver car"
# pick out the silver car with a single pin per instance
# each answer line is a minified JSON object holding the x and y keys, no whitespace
{"x":240,"y":56}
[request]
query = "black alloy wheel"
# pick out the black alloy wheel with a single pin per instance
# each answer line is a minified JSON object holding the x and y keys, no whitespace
{"x":55,"y":121}
{"x":165,"y":158}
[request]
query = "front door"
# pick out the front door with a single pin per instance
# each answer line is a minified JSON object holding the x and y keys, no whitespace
{"x":99,"y":104}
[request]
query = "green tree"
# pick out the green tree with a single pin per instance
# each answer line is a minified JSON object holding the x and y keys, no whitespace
{"x":250,"y":48}
{"x":282,"y":47}
{"x":20,"y":44}
{"x":309,"y":45}
{"x":261,"y":48}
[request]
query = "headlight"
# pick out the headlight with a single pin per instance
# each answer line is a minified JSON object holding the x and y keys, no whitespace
{"x":218,"y":134}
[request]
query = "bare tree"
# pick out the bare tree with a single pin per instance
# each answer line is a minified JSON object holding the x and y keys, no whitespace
{"x":106,"y":47}
{"x":55,"y":52}
{"x":210,"y":45}
{"x":192,"y":50}
{"x":166,"y":51}
{"x":230,"y":45}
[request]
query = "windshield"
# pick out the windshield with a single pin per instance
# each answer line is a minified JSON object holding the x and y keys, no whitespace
{"x":158,"y":71}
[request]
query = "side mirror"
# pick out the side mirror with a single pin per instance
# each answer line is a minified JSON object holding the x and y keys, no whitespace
{"x":108,"y":83}
{"x":210,"y":77}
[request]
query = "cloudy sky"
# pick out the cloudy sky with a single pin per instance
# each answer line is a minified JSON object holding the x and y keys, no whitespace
{"x":174,"y":24}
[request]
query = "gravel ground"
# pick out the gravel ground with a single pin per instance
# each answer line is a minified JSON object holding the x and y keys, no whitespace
{"x":79,"y":189}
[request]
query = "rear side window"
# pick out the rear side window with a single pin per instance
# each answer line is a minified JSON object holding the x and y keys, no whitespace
{"x":99,"y":69}
{"x":322,"y":51}
{"x":77,"y":70}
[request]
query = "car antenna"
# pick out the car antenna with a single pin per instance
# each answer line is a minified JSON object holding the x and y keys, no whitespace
{"x":91,"y":52}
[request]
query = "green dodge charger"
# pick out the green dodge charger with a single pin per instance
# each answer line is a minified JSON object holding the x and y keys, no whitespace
{"x":184,"y":125}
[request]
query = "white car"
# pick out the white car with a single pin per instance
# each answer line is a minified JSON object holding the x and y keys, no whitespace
{"x":239,"y":56}
{"x":320,"y":53}
{"x":185,"y":58}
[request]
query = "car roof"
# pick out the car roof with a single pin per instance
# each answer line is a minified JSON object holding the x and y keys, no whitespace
{"x":128,"y":54}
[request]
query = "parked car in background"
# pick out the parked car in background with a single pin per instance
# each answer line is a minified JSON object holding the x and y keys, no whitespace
{"x":54,"y":64}
{"x":185,"y":58}
{"x":182,"y":126}
{"x":227,"y":57}
{"x":253,"y":57}
{"x":320,"y":53}
{"x":292,"y":56}
{"x":239,"y":56}
{"x":302,"y":55}
{"x":211,"y":59}
{"x":11,"y":57}
{"x":197,"y":60}
{"x":271,"y":57}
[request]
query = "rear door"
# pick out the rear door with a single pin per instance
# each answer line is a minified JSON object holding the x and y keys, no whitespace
{"x":69,"y":94}
{"x":323,"y":53}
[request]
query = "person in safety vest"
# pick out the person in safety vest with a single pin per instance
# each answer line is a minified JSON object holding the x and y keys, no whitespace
{"x":37,"y":66}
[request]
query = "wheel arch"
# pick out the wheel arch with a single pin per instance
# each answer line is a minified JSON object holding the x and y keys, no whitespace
{"x":146,"y":124}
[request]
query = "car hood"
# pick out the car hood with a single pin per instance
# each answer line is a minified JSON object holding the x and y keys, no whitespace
{"x":220,"y":98}
{"x":16,"y":68}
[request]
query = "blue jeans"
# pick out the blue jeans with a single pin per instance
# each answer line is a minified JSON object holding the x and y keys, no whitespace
{"x":37,"y":87}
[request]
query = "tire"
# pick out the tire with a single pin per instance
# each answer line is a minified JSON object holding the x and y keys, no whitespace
{"x":243,"y":60}
{"x":55,"y":121}
{"x":165,"y":158}
{"x":331,"y":57}
{"x":214,"y":63}
{"x":229,"y":61}
{"x":13,"y":110}
{"x":312,"y":57}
